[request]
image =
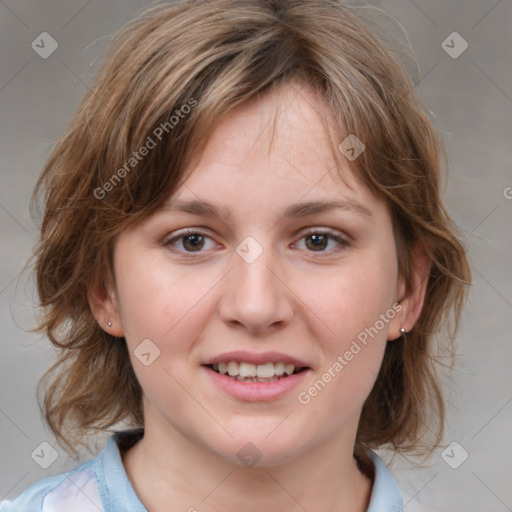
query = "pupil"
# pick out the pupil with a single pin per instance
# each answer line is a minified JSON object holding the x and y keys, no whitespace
{"x":318,"y":238}
{"x":198,"y":240}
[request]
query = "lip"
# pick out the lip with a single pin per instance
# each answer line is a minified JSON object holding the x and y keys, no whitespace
{"x":256,"y":358}
{"x":255,"y":391}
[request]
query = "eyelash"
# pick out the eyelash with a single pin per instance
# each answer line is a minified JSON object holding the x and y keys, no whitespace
{"x":330,"y":234}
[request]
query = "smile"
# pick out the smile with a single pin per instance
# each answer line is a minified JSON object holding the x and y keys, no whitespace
{"x":253,"y":388}
{"x":249,"y":372}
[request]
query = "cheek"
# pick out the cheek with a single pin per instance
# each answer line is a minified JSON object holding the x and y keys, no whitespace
{"x":356,"y":306}
{"x":353,"y":297}
{"x":168,"y":307}
{"x":157,"y":299}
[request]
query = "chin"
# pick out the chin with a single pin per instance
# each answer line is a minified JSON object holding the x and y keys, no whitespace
{"x":258,"y":451}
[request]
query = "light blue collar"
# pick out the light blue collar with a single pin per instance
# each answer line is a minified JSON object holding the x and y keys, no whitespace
{"x":386,"y":495}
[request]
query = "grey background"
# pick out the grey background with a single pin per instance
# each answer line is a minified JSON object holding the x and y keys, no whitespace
{"x":470,"y":99}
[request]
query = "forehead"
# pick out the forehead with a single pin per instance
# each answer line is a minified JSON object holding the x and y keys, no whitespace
{"x":274,"y":148}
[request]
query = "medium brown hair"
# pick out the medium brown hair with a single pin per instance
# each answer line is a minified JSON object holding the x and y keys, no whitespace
{"x":219,"y":53}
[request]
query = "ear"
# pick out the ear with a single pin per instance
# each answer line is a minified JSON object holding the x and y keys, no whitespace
{"x":411,"y":300}
{"x":104,"y":307}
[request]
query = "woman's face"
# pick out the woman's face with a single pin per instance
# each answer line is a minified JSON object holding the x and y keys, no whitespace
{"x":315,"y":285}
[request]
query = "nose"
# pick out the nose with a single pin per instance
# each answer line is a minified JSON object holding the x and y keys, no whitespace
{"x":256,"y":295}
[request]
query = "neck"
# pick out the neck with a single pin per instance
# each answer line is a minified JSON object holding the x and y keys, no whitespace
{"x":167,"y":469}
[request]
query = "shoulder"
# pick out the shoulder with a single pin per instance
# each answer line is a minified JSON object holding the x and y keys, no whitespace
{"x":73,"y":490}
{"x":97,"y":485}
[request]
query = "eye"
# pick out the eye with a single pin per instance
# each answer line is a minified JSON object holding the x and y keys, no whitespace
{"x":190,"y":241}
{"x":317,"y":241}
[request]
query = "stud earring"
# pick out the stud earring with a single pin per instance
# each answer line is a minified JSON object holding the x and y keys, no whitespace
{"x":109,"y":323}
{"x":402,"y":331}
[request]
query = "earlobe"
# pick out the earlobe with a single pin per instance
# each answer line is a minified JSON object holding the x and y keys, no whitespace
{"x":412,"y":300}
{"x":103,"y":305}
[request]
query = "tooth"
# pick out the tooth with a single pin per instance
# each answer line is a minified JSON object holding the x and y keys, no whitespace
{"x":247,"y":370}
{"x":265,"y":370}
{"x":233,"y":368}
{"x":278,"y":369}
{"x":272,"y":379}
{"x":289,"y":368}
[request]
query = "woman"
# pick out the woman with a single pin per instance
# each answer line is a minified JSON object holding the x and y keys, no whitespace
{"x":244,"y":254}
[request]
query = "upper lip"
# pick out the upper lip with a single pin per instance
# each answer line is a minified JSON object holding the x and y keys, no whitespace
{"x":256,"y":358}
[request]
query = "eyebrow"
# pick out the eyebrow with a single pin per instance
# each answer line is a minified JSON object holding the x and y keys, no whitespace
{"x":296,"y":210}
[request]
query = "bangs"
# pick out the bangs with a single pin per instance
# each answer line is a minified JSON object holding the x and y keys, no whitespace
{"x":165,"y":89}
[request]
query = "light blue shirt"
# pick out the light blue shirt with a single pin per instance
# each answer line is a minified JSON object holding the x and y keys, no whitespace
{"x":101,"y":485}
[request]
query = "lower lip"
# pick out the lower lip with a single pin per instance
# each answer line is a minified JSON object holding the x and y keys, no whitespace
{"x":256,"y":391}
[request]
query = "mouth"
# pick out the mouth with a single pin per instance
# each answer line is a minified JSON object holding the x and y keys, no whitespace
{"x":249,"y":372}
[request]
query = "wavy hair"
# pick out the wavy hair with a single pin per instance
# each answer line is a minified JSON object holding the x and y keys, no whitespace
{"x":219,"y":53}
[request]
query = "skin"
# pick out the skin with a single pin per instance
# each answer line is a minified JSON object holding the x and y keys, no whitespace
{"x":295,"y":298}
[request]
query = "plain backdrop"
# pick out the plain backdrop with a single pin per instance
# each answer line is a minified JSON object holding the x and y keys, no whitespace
{"x":470,"y":101}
